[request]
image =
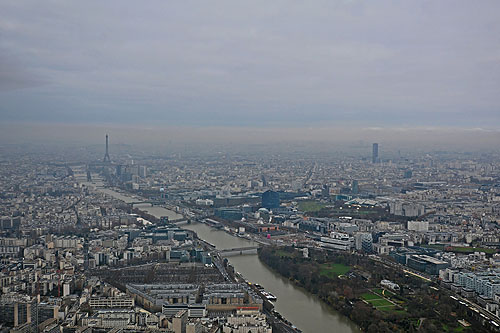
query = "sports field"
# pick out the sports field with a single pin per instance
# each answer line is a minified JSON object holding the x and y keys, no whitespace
{"x":376,"y":299}
{"x":310,"y":206}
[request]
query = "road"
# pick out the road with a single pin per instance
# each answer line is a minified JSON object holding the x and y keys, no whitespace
{"x":472,"y":306}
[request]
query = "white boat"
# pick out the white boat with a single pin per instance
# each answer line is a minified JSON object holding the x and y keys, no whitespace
{"x":269,"y":296}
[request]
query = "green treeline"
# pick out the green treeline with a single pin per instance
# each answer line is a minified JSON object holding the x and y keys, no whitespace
{"x":350,"y":283}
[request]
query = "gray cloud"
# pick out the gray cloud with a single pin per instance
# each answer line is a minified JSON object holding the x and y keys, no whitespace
{"x":382,"y":63}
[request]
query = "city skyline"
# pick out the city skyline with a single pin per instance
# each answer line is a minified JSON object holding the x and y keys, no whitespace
{"x":235,"y":167}
{"x":344,"y":138}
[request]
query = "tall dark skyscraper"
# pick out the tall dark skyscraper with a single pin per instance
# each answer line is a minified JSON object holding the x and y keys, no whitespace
{"x":375,"y":153}
{"x":106,"y":155}
{"x":355,"y":187}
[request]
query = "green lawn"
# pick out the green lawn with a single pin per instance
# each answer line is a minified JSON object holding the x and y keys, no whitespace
{"x":310,"y":206}
{"x":379,"y":302}
{"x":459,"y":249}
{"x":333,"y":270}
{"x":370,"y":296}
{"x":471,"y":250}
{"x":384,"y":293}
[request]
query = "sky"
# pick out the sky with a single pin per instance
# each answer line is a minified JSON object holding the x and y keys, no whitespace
{"x":255,"y":64}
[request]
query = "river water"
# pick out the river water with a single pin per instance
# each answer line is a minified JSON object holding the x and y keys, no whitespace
{"x":305,"y":311}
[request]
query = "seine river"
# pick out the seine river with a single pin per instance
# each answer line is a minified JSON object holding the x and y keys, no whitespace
{"x":305,"y":311}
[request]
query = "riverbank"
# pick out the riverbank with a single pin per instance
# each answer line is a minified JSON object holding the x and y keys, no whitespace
{"x":304,"y":310}
{"x":350,"y":284}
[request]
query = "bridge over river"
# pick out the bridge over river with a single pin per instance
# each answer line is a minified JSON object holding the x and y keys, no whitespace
{"x":238,"y":251}
{"x":152,"y":202}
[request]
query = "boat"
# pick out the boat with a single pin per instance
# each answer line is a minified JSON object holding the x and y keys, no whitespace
{"x":269,"y":296}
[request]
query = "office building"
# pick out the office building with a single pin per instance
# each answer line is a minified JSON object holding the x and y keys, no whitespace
{"x":364,"y":242}
{"x":420,"y":226}
{"x":270,"y":199}
{"x":16,"y":310}
{"x":325,"y":191}
{"x":427,"y":264}
{"x":337,"y":241}
{"x":375,"y":158}
{"x":355,"y":187}
{"x":228,"y":213}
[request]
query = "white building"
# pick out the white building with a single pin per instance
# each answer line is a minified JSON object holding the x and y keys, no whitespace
{"x":420,"y":226}
{"x":337,"y":241}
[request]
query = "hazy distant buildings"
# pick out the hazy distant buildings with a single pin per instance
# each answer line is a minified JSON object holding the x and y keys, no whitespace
{"x":355,"y":187}
{"x":375,"y":158}
{"x":325,"y":191}
{"x":409,"y":209}
{"x":264,"y":180}
{"x":143,"y":171}
{"x":10,"y":223}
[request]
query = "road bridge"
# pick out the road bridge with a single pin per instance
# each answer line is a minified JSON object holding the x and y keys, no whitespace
{"x":152,"y":202}
{"x":238,"y":251}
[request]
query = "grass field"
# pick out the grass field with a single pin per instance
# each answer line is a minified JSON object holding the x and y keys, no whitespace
{"x":370,"y":296}
{"x":471,"y":250}
{"x":383,"y":292}
{"x":433,"y":246}
{"x":333,"y":270}
{"x":310,"y":206}
{"x":459,"y":249}
{"x":381,"y":303}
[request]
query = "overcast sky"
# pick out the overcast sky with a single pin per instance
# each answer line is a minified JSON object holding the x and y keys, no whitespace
{"x":251,"y":63}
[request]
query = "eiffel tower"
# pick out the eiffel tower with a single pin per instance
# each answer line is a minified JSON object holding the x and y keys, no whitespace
{"x":106,"y":155}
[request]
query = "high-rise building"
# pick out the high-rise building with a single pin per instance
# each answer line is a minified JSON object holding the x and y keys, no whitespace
{"x":264,"y":180}
{"x":355,"y":187}
{"x":325,"y":191}
{"x":143,"y":171}
{"x":375,"y":153}
{"x":364,"y":242}
{"x":10,"y":223}
{"x":119,"y":170}
{"x":16,"y":310}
